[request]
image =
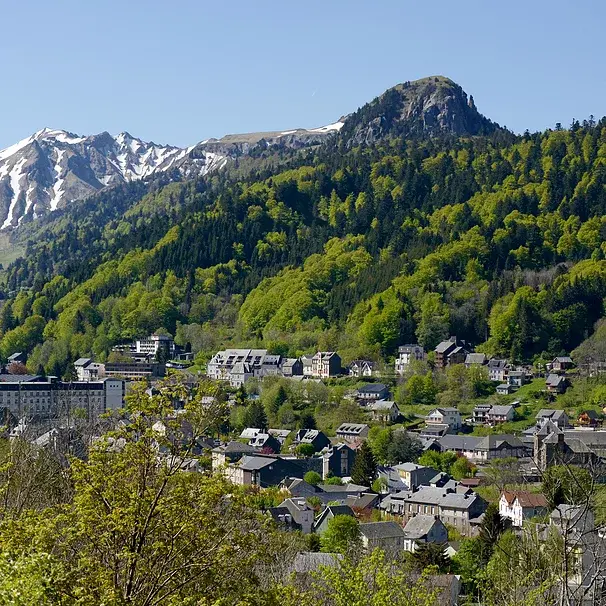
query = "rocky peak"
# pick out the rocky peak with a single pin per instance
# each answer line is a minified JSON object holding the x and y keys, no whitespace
{"x":429,"y":107}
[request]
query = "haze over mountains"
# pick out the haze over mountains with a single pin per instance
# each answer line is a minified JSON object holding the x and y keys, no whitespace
{"x":52,"y":168}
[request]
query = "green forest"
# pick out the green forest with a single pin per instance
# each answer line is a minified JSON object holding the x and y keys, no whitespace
{"x":497,"y":238}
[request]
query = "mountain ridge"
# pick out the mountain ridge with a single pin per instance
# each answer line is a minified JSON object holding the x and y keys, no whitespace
{"x":52,"y":168}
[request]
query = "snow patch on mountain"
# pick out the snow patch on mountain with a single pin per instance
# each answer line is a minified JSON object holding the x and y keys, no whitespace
{"x":52,"y":168}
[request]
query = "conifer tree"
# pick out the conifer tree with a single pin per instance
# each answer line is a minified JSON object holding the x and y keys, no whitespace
{"x":491,"y":529}
{"x":365,"y":467}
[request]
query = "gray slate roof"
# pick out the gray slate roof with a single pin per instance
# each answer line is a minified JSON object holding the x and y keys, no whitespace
{"x":437,"y":496}
{"x":381,"y":530}
{"x":419,"y":526}
{"x":548,"y":413}
{"x":372,"y":388}
{"x":253,"y":463}
{"x":501,"y":410}
{"x":475,"y":358}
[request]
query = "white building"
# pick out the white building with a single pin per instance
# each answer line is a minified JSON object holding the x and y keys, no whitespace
{"x":522,"y":505}
{"x":406,"y":354}
{"x":445,"y":416}
{"x":424,"y":528}
{"x":326,"y":364}
{"x":153,"y":344}
{"x":87,"y":370}
{"x":31,"y":395}
{"x":223,"y":362}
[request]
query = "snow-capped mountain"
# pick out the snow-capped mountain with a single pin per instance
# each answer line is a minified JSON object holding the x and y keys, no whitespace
{"x":52,"y":168}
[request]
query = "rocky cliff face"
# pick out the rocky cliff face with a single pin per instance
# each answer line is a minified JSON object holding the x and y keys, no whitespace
{"x":429,"y":107}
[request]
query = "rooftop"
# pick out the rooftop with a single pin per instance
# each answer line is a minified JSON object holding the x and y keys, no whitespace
{"x":419,"y":526}
{"x":525,"y":498}
{"x":372,"y":388}
{"x":381,"y":530}
{"x":352,"y":428}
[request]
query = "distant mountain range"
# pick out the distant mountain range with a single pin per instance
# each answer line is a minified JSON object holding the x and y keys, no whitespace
{"x":52,"y":168}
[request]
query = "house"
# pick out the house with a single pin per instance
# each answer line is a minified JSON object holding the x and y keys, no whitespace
{"x":445,"y":416}
{"x":562,"y":363}
{"x":556,"y":383}
{"x":263,"y":470}
{"x":589,"y":418}
{"x":280,"y":434}
{"x":240,"y":373}
{"x":326,"y":364}
{"x":295,"y":514}
{"x":292,"y":367}
{"x":459,"y":509}
{"x":329,"y":512}
{"x":424,"y":529}
{"x":363,"y":503}
{"x":415,"y":475}
{"x":18,"y":356}
{"x":504,"y":389}
{"x":516,"y":378}
{"x":306,"y":362}
{"x":434,"y":431}
{"x":385,"y":411}
{"x":452,"y":351}
{"x":522,"y":505}
{"x":338,"y":460}
{"x":248,"y":433}
{"x":372,"y":391}
{"x":388,"y":536}
{"x":479,"y":449}
{"x":497,"y":370}
{"x":229,"y":453}
{"x":480,"y":413}
{"x":362,"y":368}
{"x":500,"y":414}
{"x":493,"y":414}
{"x":271,"y":366}
{"x":340,"y":493}
{"x":406,"y":355}
{"x":265,"y":442}
{"x":311,"y":436}
{"x":87,"y":370}
{"x":298,"y":487}
{"x":352,"y":431}
{"x":475,"y":359}
{"x":558,"y":417}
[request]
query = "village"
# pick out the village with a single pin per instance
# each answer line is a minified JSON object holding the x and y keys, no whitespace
{"x":456,"y":464}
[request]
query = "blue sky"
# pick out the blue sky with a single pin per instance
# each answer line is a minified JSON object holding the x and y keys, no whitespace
{"x":187,"y":70}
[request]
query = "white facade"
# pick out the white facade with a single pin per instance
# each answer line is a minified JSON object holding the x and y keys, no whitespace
{"x":406,"y":354}
{"x":47,"y":398}
{"x":87,"y":370}
{"x":445,"y":416}
{"x":223,"y":362}
{"x":522,"y":506}
{"x":152,"y":344}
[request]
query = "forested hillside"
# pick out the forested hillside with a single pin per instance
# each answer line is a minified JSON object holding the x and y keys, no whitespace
{"x":499,"y":239}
